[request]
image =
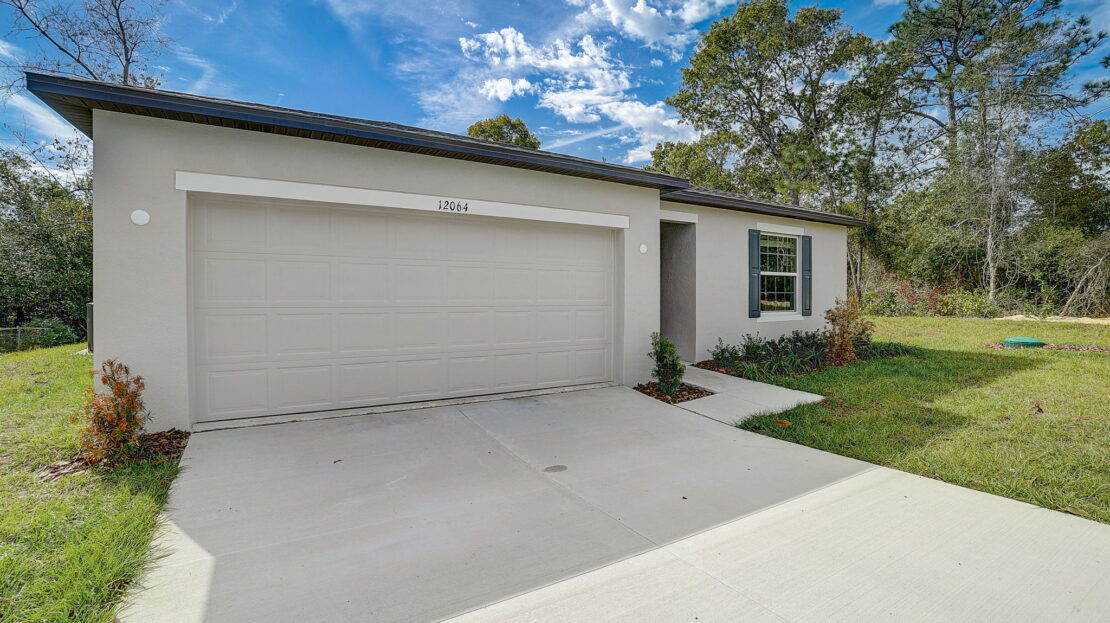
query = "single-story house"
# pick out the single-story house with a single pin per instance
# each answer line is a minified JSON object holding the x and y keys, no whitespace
{"x":252,"y":260}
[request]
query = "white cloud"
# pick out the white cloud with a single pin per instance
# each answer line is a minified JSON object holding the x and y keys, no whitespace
{"x":9,"y":51}
{"x":582,"y":83}
{"x":656,"y":62}
{"x":205,"y":82}
{"x":504,"y":88}
{"x":651,"y":123}
{"x":662,"y":24}
{"x":885,"y":3}
{"x":41,"y":119}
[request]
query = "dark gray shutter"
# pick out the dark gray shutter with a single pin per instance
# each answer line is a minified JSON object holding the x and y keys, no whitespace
{"x":807,"y":276}
{"x":753,"y":273}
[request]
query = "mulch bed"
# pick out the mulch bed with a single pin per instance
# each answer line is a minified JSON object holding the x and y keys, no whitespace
{"x":712,"y":364}
{"x":685,"y":392}
{"x":161,"y":447}
{"x":1076,"y":347}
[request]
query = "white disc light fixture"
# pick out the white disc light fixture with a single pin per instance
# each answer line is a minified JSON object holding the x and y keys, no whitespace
{"x":140,"y":217}
{"x":643,"y":248}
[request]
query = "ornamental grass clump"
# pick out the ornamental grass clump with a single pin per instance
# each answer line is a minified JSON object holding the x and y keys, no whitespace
{"x":114,"y":418}
{"x":668,"y":368}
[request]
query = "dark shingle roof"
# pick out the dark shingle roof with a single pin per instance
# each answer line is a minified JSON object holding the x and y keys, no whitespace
{"x":75,"y":99}
{"x":709,"y":197}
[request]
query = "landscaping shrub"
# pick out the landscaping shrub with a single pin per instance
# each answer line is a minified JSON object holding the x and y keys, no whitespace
{"x":668,"y":368}
{"x":114,"y":419}
{"x":757,"y":357}
{"x":725,"y":353}
{"x":54,"y":333}
{"x":967,"y":304}
{"x":849,"y":332}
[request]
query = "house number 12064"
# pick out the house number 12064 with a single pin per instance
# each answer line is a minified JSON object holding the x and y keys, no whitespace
{"x":451,"y":205}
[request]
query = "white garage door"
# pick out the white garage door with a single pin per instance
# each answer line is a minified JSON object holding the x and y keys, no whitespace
{"x":301,"y":307}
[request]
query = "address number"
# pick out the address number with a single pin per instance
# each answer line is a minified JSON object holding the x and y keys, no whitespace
{"x":453,"y":205}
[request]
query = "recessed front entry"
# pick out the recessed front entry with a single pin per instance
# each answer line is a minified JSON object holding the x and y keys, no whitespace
{"x":304,"y":307}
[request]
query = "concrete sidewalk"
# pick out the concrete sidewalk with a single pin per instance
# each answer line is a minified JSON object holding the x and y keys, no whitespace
{"x":736,"y":399}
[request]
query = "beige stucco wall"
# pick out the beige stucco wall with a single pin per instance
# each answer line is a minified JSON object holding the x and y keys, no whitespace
{"x":140,"y":273}
{"x":722,"y":278}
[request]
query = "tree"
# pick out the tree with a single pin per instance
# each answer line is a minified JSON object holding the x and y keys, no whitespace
{"x":704,"y":162}
{"x":109,"y":40}
{"x":779,"y":87}
{"x":45,"y":245}
{"x":502,"y":129}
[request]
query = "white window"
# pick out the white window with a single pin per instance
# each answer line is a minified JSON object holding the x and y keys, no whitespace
{"x":778,"y":272}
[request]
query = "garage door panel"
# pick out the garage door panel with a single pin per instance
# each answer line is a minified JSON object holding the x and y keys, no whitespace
{"x":591,"y":365}
{"x":514,"y":286}
{"x":362,"y":283}
{"x":554,"y":368}
{"x":301,"y":388}
{"x":234,"y":227}
{"x":364,"y":333}
{"x":514,"y":371}
{"x":303,"y":309}
{"x":234,"y":392}
{"x":299,"y":281}
{"x":298,"y":230}
{"x":554,"y":327}
{"x":361,"y":234}
{"x":232,"y":281}
{"x":469,"y":375}
{"x":419,"y":331}
{"x":363,"y":383}
{"x":469,"y":285}
{"x":415,"y":284}
{"x":301,"y":334}
{"x":513,"y":328}
{"x":418,"y":237}
{"x":420,"y":378}
{"x":240,"y":336}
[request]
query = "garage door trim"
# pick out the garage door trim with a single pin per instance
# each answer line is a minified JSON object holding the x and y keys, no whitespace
{"x":305,"y":191}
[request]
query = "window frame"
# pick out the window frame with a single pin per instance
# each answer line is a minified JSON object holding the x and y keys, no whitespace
{"x":797,"y":274}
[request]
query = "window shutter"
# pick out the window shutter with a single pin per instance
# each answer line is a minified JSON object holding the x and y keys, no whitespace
{"x":807,"y":275}
{"x":753,"y":273}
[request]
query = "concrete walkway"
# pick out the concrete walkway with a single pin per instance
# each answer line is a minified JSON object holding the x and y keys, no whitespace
{"x":593,"y":505}
{"x":738,"y":399}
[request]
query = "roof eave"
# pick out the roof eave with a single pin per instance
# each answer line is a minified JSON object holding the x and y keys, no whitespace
{"x":58,"y":93}
{"x":756,"y":207}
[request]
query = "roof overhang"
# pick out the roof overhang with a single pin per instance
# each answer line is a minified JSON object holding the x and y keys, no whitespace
{"x":727,"y":201}
{"x":75,"y":99}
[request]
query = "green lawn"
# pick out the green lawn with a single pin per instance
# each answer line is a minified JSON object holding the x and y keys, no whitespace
{"x":69,"y":547}
{"x":1033,"y":425}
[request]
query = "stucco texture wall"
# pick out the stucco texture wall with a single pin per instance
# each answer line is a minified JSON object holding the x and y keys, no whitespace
{"x":722,"y":274}
{"x":141,"y":273}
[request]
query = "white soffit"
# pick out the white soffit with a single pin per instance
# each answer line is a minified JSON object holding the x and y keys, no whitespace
{"x":456,"y":206}
{"x":671,"y":216}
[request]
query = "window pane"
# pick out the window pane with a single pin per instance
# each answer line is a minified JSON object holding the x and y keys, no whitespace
{"x":776,"y":293}
{"x":778,"y":254}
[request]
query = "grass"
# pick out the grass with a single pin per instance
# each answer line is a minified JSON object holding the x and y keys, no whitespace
{"x":1032,"y":425}
{"x":69,"y":548}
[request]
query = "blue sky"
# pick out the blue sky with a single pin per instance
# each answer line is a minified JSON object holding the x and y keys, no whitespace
{"x":588,"y":76}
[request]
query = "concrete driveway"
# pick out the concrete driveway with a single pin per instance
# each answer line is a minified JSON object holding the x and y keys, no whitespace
{"x":593,"y":505}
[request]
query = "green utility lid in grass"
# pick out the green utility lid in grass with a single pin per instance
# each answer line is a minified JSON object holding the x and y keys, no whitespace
{"x":1022,"y":342}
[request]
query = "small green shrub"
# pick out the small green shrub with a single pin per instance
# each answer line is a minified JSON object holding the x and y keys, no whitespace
{"x":725,"y":353}
{"x":668,"y":368}
{"x":967,"y":304}
{"x":54,"y":333}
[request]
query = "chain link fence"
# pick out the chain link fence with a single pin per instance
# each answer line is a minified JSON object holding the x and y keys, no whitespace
{"x":20,"y":338}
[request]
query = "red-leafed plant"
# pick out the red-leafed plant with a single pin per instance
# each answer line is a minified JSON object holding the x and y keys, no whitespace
{"x":114,"y":418}
{"x":849,"y":332}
